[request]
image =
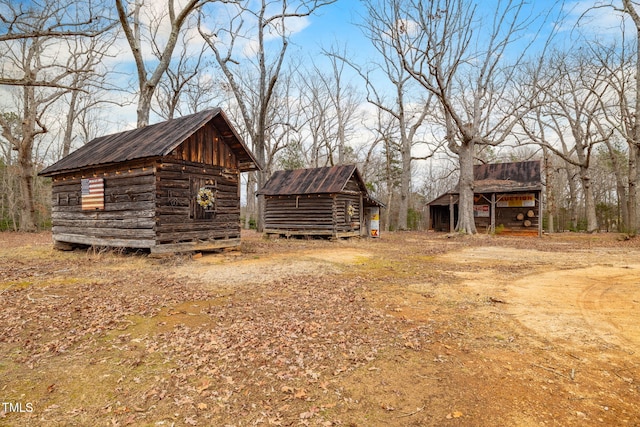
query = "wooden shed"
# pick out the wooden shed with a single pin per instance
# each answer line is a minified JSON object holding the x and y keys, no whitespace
{"x":507,"y":197}
{"x":326,"y":201}
{"x":168,"y":187}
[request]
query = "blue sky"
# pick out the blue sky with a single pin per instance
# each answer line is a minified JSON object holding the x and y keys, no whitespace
{"x":336,"y":23}
{"x":333,"y":22}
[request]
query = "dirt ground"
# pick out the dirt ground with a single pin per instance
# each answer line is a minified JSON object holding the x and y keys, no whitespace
{"x":413,"y":329}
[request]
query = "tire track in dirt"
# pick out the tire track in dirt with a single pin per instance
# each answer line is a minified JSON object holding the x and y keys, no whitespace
{"x":608,"y":305}
{"x":584,"y":306}
{"x":583,"y":298}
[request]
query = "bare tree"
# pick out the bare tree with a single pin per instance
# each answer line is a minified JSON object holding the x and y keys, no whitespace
{"x":344,"y":98}
{"x":630,"y":110}
{"x":67,"y":19}
{"x":142,"y":28}
{"x":573,"y":88}
{"x":180,"y":79}
{"x":616,"y":60}
{"x":329,"y":103}
{"x":460,"y":58}
{"x":38,"y":64}
{"x":87,"y":57}
{"x":623,"y":63}
{"x":407,"y":110}
{"x":284,"y":121}
{"x":315,"y":107}
{"x":258,"y":22}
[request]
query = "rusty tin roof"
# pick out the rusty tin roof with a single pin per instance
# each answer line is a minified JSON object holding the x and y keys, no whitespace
{"x":310,"y":181}
{"x":511,"y":177}
{"x":507,"y":177}
{"x":151,"y":141}
{"x":324,"y":180}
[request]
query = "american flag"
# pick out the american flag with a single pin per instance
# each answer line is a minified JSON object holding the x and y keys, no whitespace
{"x":92,"y":193}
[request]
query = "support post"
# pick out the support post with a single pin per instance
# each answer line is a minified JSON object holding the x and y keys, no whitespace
{"x":493,"y":213}
{"x":452,"y":224}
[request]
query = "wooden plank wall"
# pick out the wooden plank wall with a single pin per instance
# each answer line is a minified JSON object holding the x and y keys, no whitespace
{"x":343,"y":223}
{"x":321,"y":215}
{"x":352,"y":194}
{"x":153,"y":202}
{"x":207,"y":147}
{"x":128,"y":218}
{"x":296,"y":213}
{"x":178,"y":221}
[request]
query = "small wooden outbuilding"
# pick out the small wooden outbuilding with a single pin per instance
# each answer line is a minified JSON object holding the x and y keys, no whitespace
{"x":507,"y":197}
{"x":327,"y":201}
{"x":168,"y":187}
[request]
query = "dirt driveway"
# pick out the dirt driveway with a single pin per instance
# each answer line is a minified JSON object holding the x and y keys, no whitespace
{"x":574,"y":296}
{"x":411,"y":329}
{"x":582,"y":297}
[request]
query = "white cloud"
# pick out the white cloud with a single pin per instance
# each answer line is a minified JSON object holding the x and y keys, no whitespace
{"x":583,"y":16}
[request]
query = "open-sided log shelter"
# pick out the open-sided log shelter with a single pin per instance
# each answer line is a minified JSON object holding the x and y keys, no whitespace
{"x":327,"y":201}
{"x":506,"y":196}
{"x":169,"y":187}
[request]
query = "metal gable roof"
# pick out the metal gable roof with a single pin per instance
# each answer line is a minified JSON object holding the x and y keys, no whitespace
{"x":322,"y":180}
{"x":519,"y":174}
{"x":155,"y":140}
{"x":510,"y":177}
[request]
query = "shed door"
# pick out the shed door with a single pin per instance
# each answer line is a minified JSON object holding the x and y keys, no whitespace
{"x":204,"y":196}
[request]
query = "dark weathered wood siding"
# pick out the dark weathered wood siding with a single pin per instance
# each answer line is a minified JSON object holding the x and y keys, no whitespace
{"x":152,"y":203}
{"x":517,"y":220}
{"x":180,"y":218}
{"x":128,"y":217}
{"x":312,"y":214}
{"x":350,"y":196}
{"x":315,"y":214}
{"x":205,"y":147}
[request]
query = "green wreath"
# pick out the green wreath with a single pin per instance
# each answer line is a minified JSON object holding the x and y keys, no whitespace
{"x":205,"y":198}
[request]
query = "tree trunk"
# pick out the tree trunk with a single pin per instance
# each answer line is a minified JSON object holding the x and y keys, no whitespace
{"x":634,"y":154}
{"x":250,"y":210}
{"x":621,"y":191}
{"x":27,"y":209}
{"x":589,"y":200}
{"x":262,"y":179}
{"x":67,"y":139}
{"x":466,"y":221}
{"x":144,"y":105}
{"x":25,"y":161}
{"x":573,"y":198}
{"x":549,"y":190}
{"x":259,"y":149}
{"x":387,"y":212}
{"x":405,"y":181}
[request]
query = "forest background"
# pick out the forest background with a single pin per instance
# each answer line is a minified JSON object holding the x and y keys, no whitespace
{"x":412,"y":92}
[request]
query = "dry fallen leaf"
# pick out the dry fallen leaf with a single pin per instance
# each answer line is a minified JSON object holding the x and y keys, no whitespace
{"x":300,"y":394}
{"x":206,"y":383}
{"x":306,"y":415}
